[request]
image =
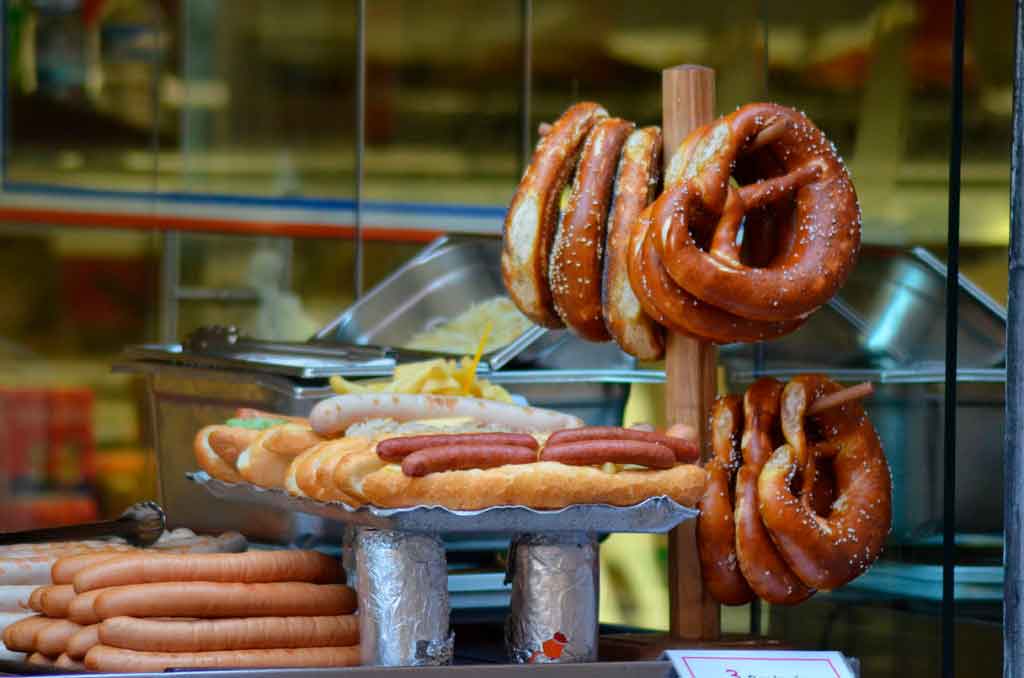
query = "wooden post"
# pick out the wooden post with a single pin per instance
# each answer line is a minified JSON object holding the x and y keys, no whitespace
{"x":688,"y":101}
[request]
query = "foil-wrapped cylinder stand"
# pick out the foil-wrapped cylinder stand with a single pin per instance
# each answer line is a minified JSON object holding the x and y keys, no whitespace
{"x":402,"y":583}
{"x":553,"y":616}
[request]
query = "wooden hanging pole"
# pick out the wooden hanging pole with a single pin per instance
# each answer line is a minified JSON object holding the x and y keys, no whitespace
{"x":688,"y":101}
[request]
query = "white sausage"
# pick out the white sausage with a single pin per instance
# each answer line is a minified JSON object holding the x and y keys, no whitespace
{"x":335,"y":414}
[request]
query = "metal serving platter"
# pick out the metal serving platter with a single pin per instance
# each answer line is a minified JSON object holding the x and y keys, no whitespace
{"x":443,"y":280}
{"x":657,"y":514}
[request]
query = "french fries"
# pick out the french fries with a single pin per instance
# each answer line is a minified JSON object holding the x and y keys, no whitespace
{"x":438,"y":377}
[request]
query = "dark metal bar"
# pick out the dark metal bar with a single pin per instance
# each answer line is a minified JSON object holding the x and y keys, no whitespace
{"x":952,"y":323}
{"x":5,"y":96}
{"x":360,"y":140}
{"x":170,"y":245}
{"x":1013,"y":510}
{"x":526,"y":82}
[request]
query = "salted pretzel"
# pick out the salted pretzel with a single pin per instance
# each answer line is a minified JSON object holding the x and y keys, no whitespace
{"x":636,"y":185}
{"x":575,"y":266}
{"x":801,"y":192}
{"x":762,"y":565}
{"x":673,"y":307}
{"x":716,"y":534}
{"x":533,"y":215}
{"x":826,"y":550}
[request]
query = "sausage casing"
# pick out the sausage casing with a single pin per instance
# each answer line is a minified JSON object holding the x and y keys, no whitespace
{"x":590,"y":452}
{"x":461,"y":457}
{"x":397,"y":449}
{"x":685,"y":450}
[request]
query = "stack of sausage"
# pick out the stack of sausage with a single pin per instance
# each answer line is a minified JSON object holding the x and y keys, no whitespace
{"x":799,"y":494}
{"x":25,"y":567}
{"x":757,"y":226}
{"x":142,"y":612}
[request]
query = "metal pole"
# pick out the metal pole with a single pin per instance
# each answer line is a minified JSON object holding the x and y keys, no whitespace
{"x":526,"y":82}
{"x":952,"y":327}
{"x":360,"y":140}
{"x":1013,"y":520}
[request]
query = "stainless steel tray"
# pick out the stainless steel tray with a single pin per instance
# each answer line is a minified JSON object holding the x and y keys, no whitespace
{"x":657,"y":514}
{"x":890,"y":314}
{"x":443,"y":280}
{"x":304,"y":361}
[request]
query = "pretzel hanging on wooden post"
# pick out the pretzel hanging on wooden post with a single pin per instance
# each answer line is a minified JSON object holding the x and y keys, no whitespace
{"x":808,"y":199}
{"x":716,"y":528}
{"x":763,"y":567}
{"x":827,"y":551}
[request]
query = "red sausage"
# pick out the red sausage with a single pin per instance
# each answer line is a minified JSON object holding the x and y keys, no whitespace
{"x":397,"y":449}
{"x":685,"y":450}
{"x":458,"y":457}
{"x":590,"y":452}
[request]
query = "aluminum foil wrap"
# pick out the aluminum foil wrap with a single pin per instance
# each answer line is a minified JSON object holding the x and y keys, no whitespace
{"x":402,"y":582}
{"x":553,"y":615}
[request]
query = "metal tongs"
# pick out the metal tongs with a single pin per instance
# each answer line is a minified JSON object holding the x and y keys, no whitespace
{"x":140,"y":525}
{"x":229,"y":340}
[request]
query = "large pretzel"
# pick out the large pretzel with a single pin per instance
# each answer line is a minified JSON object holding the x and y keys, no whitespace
{"x":533,"y":215}
{"x":760,"y":562}
{"x":807,"y":201}
{"x":673,"y":307}
{"x":716,"y":542}
{"x":709,"y":259}
{"x":826,"y":551}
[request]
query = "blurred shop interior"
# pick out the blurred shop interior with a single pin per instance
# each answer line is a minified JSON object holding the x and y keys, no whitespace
{"x":169,"y":164}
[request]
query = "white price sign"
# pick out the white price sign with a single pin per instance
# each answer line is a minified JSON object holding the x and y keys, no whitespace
{"x":758,"y":664}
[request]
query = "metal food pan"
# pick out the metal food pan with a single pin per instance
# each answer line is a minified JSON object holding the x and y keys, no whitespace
{"x":450,"y":275}
{"x":889,"y":314}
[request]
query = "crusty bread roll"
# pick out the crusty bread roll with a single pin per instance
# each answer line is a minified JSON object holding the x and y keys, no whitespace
{"x":542,"y":485}
{"x":217,"y":449}
{"x":351,"y":470}
{"x":266,"y":461}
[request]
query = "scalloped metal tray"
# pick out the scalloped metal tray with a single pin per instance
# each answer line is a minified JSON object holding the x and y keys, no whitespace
{"x":657,"y":514}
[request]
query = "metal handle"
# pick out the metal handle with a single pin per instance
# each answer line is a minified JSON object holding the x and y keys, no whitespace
{"x":141,"y":525}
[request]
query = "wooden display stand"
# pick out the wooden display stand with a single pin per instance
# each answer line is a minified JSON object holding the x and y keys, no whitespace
{"x":688,"y":101}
